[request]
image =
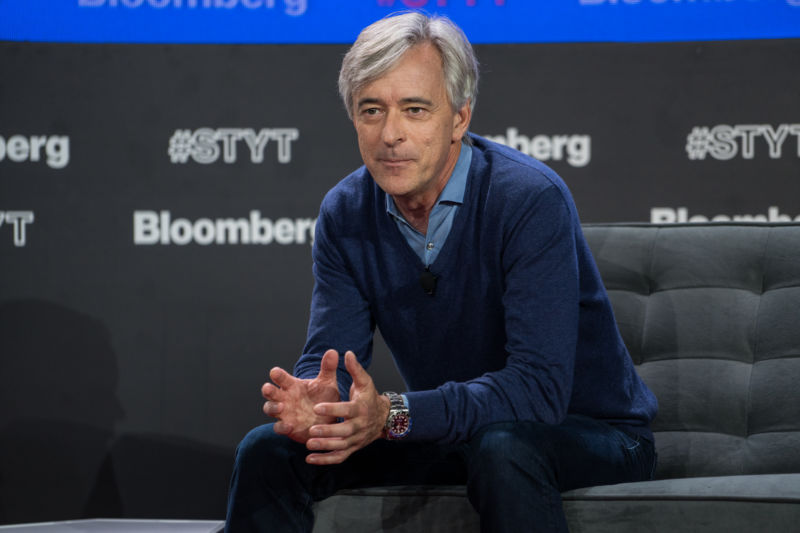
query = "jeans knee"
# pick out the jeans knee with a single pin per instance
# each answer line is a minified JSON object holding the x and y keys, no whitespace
{"x":511,"y":474}
{"x":264,"y":450}
{"x":270,"y":484}
{"x":502,"y":451}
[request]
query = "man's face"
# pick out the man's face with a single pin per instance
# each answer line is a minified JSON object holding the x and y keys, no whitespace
{"x":408,"y":134}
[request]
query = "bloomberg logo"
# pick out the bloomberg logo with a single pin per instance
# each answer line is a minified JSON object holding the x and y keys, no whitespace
{"x":680,"y":215}
{"x":205,"y":145}
{"x":53,"y":149}
{"x":150,"y":227}
{"x":576,"y":149}
{"x":18,"y":220}
{"x":294,"y":8}
{"x":725,"y":142}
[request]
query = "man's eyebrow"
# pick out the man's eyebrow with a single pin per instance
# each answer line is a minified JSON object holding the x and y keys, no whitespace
{"x":364,"y":101}
{"x":409,"y":100}
{"x":416,"y":100}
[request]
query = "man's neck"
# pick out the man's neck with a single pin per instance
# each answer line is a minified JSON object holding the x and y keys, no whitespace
{"x":416,"y":214}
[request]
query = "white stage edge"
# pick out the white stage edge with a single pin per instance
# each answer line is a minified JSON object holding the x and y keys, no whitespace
{"x":118,"y":526}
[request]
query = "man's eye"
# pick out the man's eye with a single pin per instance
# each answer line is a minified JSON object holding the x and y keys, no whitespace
{"x":415,"y":110}
{"x":371,"y":111}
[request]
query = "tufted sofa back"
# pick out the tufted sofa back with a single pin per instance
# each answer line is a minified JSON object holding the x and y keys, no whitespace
{"x":711,"y":316}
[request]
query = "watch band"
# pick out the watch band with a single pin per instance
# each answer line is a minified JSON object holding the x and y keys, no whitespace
{"x":398,"y":423}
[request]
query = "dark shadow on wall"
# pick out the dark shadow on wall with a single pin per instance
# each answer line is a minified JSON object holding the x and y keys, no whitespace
{"x":58,"y":407}
{"x":169,"y":477}
{"x":60,"y":457}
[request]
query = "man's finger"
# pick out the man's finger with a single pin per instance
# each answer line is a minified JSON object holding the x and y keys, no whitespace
{"x":282,"y":428}
{"x":272,"y":408}
{"x":271,"y":392}
{"x":328,"y":444}
{"x":330,"y":458}
{"x":338,"y":430}
{"x":328,"y":365}
{"x":338,"y":409}
{"x":360,"y":377}
{"x":281,"y":377}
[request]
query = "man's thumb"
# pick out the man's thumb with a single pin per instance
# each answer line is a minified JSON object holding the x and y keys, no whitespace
{"x":329,"y":363}
{"x":359,"y":375}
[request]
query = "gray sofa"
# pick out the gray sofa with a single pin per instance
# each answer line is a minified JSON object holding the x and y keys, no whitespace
{"x":711,"y":316}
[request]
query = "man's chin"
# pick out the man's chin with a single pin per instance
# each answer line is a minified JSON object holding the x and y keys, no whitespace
{"x":393,"y":185}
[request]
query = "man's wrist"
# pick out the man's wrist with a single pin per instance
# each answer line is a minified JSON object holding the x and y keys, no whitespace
{"x":385,"y":407}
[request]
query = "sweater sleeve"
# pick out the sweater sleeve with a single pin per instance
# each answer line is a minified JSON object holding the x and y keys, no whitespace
{"x":339,"y":318}
{"x":541,"y":306}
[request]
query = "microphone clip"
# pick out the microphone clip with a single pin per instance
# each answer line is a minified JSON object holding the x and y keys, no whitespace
{"x":428,"y":281}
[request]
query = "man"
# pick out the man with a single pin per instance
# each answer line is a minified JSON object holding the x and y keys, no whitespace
{"x":470,"y":258}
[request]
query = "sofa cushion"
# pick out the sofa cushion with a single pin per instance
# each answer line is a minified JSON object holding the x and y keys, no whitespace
{"x":411,"y":509}
{"x":724,"y":504}
{"x":716,"y":504}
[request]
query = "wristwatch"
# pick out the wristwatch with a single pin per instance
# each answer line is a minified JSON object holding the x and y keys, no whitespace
{"x":398,"y":423}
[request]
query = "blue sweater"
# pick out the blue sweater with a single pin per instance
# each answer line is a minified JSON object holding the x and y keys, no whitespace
{"x":520,"y":326}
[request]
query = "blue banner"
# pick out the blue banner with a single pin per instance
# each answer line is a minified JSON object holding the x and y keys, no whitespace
{"x":339,"y":21}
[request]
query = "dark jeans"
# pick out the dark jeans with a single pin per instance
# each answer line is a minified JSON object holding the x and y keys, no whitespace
{"x":514,"y":472}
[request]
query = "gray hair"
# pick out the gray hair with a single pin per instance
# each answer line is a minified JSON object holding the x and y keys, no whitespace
{"x":381,"y":45}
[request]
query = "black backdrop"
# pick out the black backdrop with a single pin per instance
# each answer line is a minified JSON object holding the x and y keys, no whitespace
{"x":131,"y":356}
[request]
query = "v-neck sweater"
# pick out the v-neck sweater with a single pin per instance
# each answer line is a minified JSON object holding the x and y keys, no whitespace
{"x":520,"y":327}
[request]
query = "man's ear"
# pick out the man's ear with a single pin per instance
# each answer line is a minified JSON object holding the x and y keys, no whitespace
{"x":461,"y":121}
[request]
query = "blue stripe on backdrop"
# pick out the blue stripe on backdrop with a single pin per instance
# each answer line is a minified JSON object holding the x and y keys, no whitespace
{"x":338,"y":21}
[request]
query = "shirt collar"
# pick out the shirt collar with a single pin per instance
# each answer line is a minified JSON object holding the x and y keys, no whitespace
{"x":453,"y":191}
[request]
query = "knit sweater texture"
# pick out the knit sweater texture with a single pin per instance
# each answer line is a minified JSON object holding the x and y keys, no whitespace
{"x":520,"y":327}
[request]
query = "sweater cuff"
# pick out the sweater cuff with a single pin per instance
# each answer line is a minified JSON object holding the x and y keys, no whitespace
{"x":426,"y":409}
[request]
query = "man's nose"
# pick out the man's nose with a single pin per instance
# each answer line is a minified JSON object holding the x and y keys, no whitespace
{"x":393,"y":129}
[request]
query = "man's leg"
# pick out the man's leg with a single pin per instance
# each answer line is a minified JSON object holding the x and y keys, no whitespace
{"x":270,"y":486}
{"x":517,"y":471}
{"x":273,"y":488}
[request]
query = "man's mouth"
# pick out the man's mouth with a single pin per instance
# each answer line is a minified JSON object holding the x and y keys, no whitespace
{"x":394,"y":161}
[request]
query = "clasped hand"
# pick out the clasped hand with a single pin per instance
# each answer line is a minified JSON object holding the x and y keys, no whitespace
{"x":307,"y":409}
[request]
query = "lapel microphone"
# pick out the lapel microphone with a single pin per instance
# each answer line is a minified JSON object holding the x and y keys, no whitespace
{"x":428,"y":281}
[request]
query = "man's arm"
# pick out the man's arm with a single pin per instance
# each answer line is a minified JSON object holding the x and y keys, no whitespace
{"x":339,"y":315}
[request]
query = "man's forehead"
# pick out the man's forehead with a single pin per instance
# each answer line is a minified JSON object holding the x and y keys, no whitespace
{"x":419,"y":87}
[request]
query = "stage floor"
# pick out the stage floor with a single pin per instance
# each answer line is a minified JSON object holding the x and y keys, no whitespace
{"x":118,"y":526}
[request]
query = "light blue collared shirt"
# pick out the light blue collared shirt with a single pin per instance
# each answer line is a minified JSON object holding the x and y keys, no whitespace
{"x":440,"y":221}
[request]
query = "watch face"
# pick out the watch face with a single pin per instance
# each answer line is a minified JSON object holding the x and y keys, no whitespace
{"x":400,"y":425}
